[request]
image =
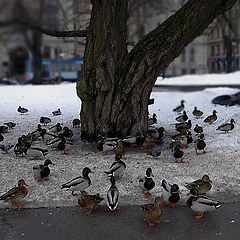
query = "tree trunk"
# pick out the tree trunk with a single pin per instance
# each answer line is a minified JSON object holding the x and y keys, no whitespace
{"x":229,"y":54}
{"x":115,"y":85}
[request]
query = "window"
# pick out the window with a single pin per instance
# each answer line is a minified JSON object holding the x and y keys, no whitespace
{"x":183,"y":55}
{"x":184,"y":71}
{"x":192,"y":71}
{"x":218,"y":49}
{"x":212,"y":51}
{"x":46,"y":52}
{"x":192,"y":55}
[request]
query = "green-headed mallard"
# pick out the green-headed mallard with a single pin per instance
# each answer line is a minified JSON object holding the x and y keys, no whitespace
{"x":112,"y":195}
{"x":180,"y":107}
{"x":203,"y":185}
{"x":153,"y":212}
{"x":170,"y":193}
{"x":178,"y":154}
{"x":226,"y":127}
{"x":42,"y":171}
{"x":16,"y":194}
{"x":147,"y":183}
{"x":117,"y":168}
{"x":79,"y":183}
{"x":201,"y":204}
{"x":89,"y":202}
{"x":211,"y":118}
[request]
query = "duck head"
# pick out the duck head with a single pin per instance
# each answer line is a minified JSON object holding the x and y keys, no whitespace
{"x":22,"y":183}
{"x":149,"y":173}
{"x":47,"y":162}
{"x":174,"y":188}
{"x":86,"y":171}
{"x":206,"y":178}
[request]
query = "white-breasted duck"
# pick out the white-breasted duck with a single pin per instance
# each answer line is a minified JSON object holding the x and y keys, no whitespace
{"x":211,"y":118}
{"x":147,"y":183}
{"x":16,"y":194}
{"x":112,"y":195}
{"x":106,"y":147}
{"x":22,"y":110}
{"x":56,"y":112}
{"x":179,"y":108}
{"x":203,"y":185}
{"x":152,"y":120}
{"x":35,"y":153}
{"x":178,"y":154}
{"x":79,"y":183}
{"x":118,"y":168}
{"x":197,"y":113}
{"x":226,"y":127}
{"x":45,"y":120}
{"x":200,"y":144}
{"x":170,"y":193}
{"x":183,"y":117}
{"x":42,"y":171}
{"x":201,"y":204}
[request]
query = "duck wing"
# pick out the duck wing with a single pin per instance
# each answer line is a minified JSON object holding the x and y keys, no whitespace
{"x":10,"y":194}
{"x":73,"y":182}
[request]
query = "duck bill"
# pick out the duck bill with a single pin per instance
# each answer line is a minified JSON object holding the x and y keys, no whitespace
{"x":151,"y":174}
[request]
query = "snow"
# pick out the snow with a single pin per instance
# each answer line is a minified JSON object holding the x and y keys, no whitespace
{"x":221,"y":162}
{"x":199,"y":80}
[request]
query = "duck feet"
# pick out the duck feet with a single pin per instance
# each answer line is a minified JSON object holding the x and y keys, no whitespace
{"x":199,"y":215}
{"x":173,"y":205}
{"x":146,"y":194}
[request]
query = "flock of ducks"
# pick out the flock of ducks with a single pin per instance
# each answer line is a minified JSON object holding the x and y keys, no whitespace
{"x":60,"y":137}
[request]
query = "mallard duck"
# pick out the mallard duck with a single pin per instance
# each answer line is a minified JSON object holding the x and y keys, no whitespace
{"x":35,"y":153}
{"x":197,"y":113}
{"x":211,"y":118}
{"x":56,"y":128}
{"x":184,"y":127}
{"x":16,"y":194}
{"x":10,"y":125}
{"x":156,"y":133}
{"x":79,"y":183}
{"x":57,"y":112}
{"x":201,"y":204}
{"x":180,"y":107}
{"x":183,"y":117}
{"x":64,"y":146}
{"x":112,"y":195}
{"x":200,"y":145}
{"x":203,"y":185}
{"x":118,"y":168}
{"x":4,"y":129}
{"x":22,"y":110}
{"x":178,"y":154}
{"x":55,"y":141}
{"x":148,"y":144}
{"x":42,"y":171}
{"x":106,"y":147}
{"x":45,"y":120}
{"x":153,"y":212}
{"x":67,"y":133}
{"x":152,"y":120}
{"x":89,"y":202}
{"x":170,"y":193}
{"x":120,"y":149}
{"x":198,"y":129}
{"x":147,"y":183}
{"x":226,"y":127}
{"x":76,"y":122}
{"x":6,"y":147}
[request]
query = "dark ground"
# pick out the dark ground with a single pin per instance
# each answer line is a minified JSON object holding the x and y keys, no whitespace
{"x":71,"y":223}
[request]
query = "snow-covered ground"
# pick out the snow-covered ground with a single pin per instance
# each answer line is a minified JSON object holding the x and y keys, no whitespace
{"x":221,"y":162}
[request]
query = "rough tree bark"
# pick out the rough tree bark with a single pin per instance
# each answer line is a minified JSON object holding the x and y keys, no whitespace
{"x":115,"y":85}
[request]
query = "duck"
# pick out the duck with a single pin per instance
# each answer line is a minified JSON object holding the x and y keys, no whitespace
{"x":147,"y":183}
{"x":130,"y":140}
{"x":119,"y":148}
{"x":155,"y":152}
{"x":89,"y":202}
{"x":42,"y":171}
{"x":153,"y":212}
{"x":67,"y":133}
{"x":10,"y":125}
{"x":152,"y":120}
{"x":183,"y":117}
{"x":35,"y":153}
{"x":211,"y":118}
{"x":200,"y":145}
{"x":56,"y":128}
{"x":226,"y":127}
{"x":148,"y":144}
{"x":184,"y":127}
{"x":16,"y":194}
{"x":198,"y":129}
{"x":76,"y":123}
{"x":64,"y":146}
{"x":4,"y":129}
{"x":197,"y":113}
{"x":45,"y":120}
{"x":54,"y":142}
{"x":179,"y":108}
{"x":57,"y":112}
{"x":112,"y":195}
{"x":156,"y":133}
{"x":22,"y":110}
{"x":201,"y":204}
{"x":170,"y":193}
{"x":118,"y":168}
{"x":203,"y":185}
{"x":6,"y":147}
{"x":1,"y":137}
{"x":79,"y":183}
{"x":178,"y":154}
{"x":106,"y":147}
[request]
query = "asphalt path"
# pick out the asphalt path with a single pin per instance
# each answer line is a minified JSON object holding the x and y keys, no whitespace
{"x":70,"y":223}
